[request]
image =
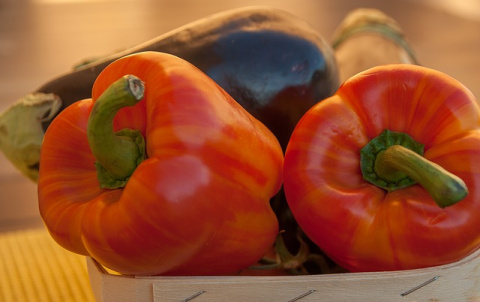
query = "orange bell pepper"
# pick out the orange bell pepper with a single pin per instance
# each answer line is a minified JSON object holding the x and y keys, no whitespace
{"x":178,"y":183}
{"x":385,"y":174}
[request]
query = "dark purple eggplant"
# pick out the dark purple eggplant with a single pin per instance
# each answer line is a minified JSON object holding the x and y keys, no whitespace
{"x":271,"y":62}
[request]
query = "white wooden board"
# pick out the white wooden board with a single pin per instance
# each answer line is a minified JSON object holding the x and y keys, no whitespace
{"x":458,"y":281}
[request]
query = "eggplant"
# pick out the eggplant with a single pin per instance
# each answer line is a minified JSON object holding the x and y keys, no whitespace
{"x":368,"y":37}
{"x":273,"y":63}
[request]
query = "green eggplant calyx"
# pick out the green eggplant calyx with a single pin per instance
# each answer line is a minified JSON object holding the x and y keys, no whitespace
{"x":394,"y":160}
{"x":21,"y":132}
{"x":119,"y":153}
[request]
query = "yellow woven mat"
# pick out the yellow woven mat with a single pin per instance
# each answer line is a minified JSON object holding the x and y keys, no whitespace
{"x":35,"y":268}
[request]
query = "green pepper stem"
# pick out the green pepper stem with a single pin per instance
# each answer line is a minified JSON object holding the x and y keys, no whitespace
{"x":444,"y":187}
{"x":117,"y":154}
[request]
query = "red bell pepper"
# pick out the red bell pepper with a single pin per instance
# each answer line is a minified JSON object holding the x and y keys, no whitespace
{"x":385,"y":174}
{"x":178,"y":183}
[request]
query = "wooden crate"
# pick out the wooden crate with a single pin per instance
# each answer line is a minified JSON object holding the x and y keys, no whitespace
{"x":459,"y":281}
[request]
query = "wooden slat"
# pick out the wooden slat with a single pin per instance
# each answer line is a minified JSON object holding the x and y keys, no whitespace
{"x":459,"y":281}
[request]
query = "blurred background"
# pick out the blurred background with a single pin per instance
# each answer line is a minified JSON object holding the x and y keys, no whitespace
{"x":42,"y":39}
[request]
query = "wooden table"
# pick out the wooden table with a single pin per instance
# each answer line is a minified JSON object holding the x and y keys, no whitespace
{"x":41,"y":39}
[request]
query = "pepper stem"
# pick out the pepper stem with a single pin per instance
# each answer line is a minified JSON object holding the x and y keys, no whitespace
{"x":119,"y":153}
{"x":393,"y":160}
{"x":444,"y":187}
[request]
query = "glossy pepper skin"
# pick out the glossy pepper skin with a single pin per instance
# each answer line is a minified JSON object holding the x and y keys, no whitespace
{"x":360,"y":225}
{"x":197,"y":205}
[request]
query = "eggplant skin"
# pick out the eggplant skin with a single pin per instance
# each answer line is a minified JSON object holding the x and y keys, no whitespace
{"x":271,"y":62}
